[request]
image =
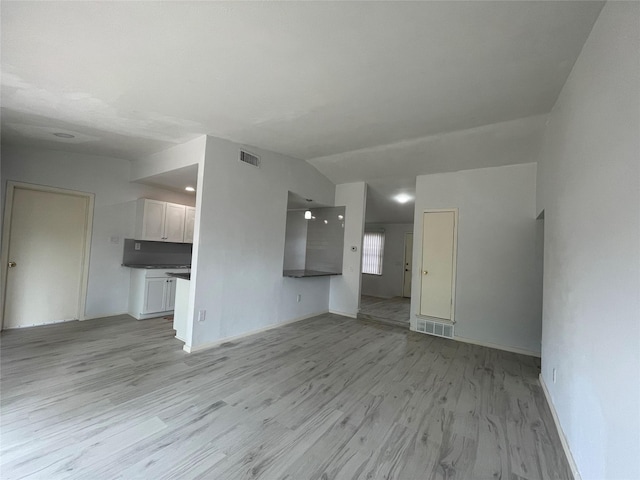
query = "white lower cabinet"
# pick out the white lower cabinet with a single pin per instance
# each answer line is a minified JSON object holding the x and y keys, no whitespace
{"x":156,"y":295}
{"x":170,"y":295}
{"x":152,"y":293}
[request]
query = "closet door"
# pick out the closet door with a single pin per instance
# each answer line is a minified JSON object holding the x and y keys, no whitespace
{"x":438,"y":264}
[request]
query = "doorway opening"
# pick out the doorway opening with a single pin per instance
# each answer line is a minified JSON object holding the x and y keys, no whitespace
{"x":387,"y":253}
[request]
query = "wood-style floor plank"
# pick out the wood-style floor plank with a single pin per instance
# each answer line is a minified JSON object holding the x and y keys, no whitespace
{"x":325,"y":398}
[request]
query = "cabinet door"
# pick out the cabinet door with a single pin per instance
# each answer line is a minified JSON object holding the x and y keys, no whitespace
{"x":170,"y":297}
{"x":153,"y":220}
{"x":189,"y":223}
{"x":174,"y":223}
{"x":154,"y":295}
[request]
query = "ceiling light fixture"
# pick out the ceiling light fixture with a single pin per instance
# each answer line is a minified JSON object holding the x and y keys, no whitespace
{"x":64,"y":135}
{"x":340,"y":217}
{"x":190,"y":189}
{"x":307,"y":215}
{"x":326,"y":221}
{"x":402,"y":198}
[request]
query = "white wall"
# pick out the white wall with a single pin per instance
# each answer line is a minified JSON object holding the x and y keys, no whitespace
{"x":497,"y":292}
{"x":173,"y":158}
{"x":589,"y":188}
{"x":114,"y":212}
{"x":345,"y":288}
{"x":389,"y":284}
{"x":241,"y":240}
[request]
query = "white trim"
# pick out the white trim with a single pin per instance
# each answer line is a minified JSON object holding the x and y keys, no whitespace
{"x":6,"y":232}
{"x":106,"y":315}
{"x":506,"y":348}
{"x":404,"y":261}
{"x":563,"y":438}
{"x":206,"y":346}
{"x":455,"y":256}
{"x":344,"y":314}
{"x":18,"y":327}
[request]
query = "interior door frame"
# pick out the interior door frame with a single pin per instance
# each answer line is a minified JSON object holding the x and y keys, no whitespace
{"x":6,"y":235}
{"x":454,"y":260}
{"x":404,"y":254}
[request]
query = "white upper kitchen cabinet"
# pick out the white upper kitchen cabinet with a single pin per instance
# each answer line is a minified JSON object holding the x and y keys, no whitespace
{"x":174,"y":223}
{"x":189,"y":222}
{"x":160,"y":221}
{"x":151,"y":215}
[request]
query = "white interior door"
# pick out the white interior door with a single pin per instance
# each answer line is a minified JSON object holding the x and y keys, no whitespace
{"x":174,"y":223}
{"x":46,"y":254}
{"x":438,"y":261}
{"x":408,"y":262}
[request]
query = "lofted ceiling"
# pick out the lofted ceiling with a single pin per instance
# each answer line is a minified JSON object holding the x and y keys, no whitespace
{"x":329,"y":82}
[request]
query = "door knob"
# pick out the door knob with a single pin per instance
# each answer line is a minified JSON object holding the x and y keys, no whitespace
{"x":12,"y":264}
{"x":424,"y":272}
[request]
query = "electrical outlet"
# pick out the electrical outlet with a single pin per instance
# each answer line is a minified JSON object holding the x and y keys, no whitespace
{"x":202,"y":314}
{"x":136,"y":246}
{"x":554,"y":375}
{"x":298,"y":298}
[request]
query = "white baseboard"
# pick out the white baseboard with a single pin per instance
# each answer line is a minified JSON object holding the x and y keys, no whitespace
{"x":39,"y":324}
{"x":563,"y":438}
{"x":107,"y":315}
{"x":506,"y":348}
{"x":344,"y":314}
{"x":206,"y":346}
{"x":67,"y":321}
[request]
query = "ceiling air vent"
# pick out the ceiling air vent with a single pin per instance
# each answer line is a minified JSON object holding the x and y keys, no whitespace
{"x":249,"y":158}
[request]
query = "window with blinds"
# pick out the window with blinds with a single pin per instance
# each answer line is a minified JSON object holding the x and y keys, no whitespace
{"x":372,"y":253}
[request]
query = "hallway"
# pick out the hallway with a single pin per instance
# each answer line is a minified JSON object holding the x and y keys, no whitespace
{"x":393,"y":311}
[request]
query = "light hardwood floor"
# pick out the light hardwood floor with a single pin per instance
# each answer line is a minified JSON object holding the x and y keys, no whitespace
{"x":326,"y":398}
{"x":392,"y":311}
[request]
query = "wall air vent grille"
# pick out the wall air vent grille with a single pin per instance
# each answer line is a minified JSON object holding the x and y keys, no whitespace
{"x":434,"y":328}
{"x":249,"y":158}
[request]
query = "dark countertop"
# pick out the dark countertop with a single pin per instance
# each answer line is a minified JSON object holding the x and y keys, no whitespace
{"x":183,"y":276}
{"x":155,"y":266}
{"x":307,"y":273}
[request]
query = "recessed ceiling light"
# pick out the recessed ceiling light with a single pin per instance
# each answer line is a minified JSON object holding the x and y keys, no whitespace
{"x":64,"y":135}
{"x":326,"y":221}
{"x":340,"y":217}
{"x":402,"y":198}
{"x":190,"y":189}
